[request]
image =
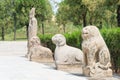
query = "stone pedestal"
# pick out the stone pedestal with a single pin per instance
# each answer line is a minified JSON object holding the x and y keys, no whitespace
{"x":103,"y":78}
{"x":71,"y":68}
{"x":42,"y":59}
{"x":97,"y":72}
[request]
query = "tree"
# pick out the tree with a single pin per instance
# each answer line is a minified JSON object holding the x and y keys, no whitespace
{"x":111,"y":8}
{"x":91,"y":12}
{"x":5,"y":18}
{"x":16,"y":12}
{"x":118,"y":15}
{"x":62,"y":16}
{"x":43,"y":11}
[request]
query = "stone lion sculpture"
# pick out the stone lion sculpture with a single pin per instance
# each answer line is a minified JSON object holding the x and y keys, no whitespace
{"x":66,"y":55}
{"x":38,"y":52}
{"x":97,"y":55}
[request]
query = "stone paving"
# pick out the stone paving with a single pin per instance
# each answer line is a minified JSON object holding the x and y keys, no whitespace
{"x":14,"y":66}
{"x":19,"y":68}
{"x":13,"y":48}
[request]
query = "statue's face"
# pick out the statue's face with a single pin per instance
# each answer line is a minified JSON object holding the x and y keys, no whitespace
{"x":89,"y":31}
{"x":35,"y":41}
{"x":85,"y":33}
{"x":59,"y":40}
{"x":32,"y":13}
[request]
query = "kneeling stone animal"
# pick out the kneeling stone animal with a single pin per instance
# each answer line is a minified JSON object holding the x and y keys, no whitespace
{"x":65,"y":54}
{"x":38,"y":52}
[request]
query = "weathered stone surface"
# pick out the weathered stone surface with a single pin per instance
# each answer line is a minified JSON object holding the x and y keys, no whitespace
{"x":97,"y":56}
{"x":39,"y":53}
{"x":67,"y":58}
{"x":71,"y":68}
{"x":36,"y":52}
{"x":32,"y":28}
{"x":103,"y":78}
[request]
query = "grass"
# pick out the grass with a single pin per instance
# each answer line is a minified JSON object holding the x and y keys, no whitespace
{"x":20,"y":35}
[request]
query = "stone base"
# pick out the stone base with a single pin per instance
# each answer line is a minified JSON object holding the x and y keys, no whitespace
{"x":42,"y":60}
{"x":98,"y":72}
{"x":103,"y":78}
{"x":71,"y":68}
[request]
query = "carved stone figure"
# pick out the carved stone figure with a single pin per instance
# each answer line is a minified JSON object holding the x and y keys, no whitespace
{"x":97,"y":55}
{"x":38,"y":52}
{"x":66,"y":57}
{"x":32,"y":28}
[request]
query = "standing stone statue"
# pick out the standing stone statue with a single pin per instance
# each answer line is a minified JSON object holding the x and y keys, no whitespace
{"x":32,"y":29}
{"x":97,"y":55}
{"x":67,"y":58}
{"x":36,"y":51}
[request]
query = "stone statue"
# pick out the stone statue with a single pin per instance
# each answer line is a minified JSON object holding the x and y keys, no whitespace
{"x":66,"y":57}
{"x":97,"y":55}
{"x":38,"y":52}
{"x":32,"y":28}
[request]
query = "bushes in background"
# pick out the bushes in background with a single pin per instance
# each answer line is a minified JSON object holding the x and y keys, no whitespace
{"x":111,"y":37}
{"x":72,"y":39}
{"x":46,"y":41}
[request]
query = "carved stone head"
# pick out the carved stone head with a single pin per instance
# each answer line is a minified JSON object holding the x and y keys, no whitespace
{"x":34,"y":41}
{"x":59,"y":40}
{"x":90,"y":31}
{"x":32,"y":13}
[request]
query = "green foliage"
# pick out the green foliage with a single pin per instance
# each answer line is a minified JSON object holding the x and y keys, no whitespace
{"x":15,"y":13}
{"x":71,"y":10}
{"x":88,"y":12}
{"x":46,"y":41}
{"x":62,"y":16}
{"x":112,"y":39}
{"x":74,"y":38}
{"x":20,"y":34}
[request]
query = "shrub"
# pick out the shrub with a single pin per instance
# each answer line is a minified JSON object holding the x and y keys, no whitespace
{"x":112,"y":39}
{"x":46,"y":41}
{"x":73,"y":39}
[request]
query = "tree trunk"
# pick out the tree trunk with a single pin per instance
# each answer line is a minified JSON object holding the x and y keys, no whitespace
{"x":84,"y":19}
{"x":90,"y":21}
{"x":14,"y":14}
{"x":42,"y":28}
{"x":3,"y":34}
{"x":115,"y":65}
{"x":64,"y":28}
{"x":118,"y":15}
{"x":27,"y":25}
{"x":100,"y":25}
